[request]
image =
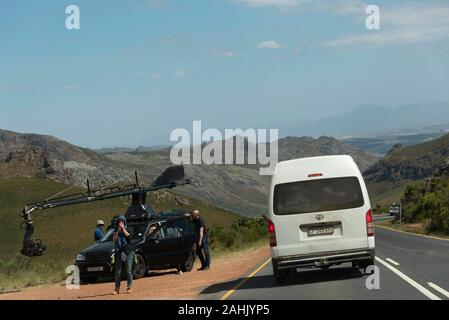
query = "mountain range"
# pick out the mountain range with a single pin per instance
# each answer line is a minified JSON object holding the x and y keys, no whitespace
{"x":239,"y":188}
{"x":374,"y":121}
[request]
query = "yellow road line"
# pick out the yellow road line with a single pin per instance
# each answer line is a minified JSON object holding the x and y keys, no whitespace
{"x":230,"y":292}
{"x":415,"y":234}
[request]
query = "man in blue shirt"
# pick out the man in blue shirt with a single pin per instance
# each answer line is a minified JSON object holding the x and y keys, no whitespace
{"x":98,"y":234}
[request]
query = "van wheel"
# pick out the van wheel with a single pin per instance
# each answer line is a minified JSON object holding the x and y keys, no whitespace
{"x":139,"y":268}
{"x":364,"y":265}
{"x":369,"y":263}
{"x":187,"y":266}
{"x":280,"y":278}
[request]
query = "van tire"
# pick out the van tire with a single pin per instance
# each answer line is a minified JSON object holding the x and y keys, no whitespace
{"x":364,"y":264}
{"x":280,"y":278}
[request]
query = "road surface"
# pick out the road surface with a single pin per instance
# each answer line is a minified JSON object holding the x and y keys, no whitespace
{"x":410,"y":267}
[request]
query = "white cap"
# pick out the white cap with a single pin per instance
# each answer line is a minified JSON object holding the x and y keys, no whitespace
{"x":100,"y":223}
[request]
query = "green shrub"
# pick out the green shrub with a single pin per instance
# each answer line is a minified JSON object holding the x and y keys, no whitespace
{"x":242,"y":232}
{"x":428,"y":202}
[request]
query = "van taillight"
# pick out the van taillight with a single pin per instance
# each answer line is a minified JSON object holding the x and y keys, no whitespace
{"x":272,"y":233}
{"x":369,"y":223}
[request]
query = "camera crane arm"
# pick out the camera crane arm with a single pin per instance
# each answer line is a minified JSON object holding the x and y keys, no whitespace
{"x":169,"y":179}
{"x":96,"y":195}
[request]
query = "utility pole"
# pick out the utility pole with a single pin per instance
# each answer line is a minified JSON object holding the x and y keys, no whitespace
{"x":400,"y":212}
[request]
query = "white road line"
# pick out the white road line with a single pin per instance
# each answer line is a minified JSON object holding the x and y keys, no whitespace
{"x":439,"y":289}
{"x":393,"y":262}
{"x":410,"y":281}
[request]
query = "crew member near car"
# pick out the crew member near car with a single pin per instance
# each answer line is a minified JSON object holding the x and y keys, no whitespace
{"x":98,"y":233}
{"x":202,"y":245}
{"x":123,"y":254}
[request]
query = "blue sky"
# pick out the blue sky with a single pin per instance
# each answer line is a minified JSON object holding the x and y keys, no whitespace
{"x":138,"y":69}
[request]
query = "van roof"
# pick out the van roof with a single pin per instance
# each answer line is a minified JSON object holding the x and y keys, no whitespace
{"x":327,"y":166}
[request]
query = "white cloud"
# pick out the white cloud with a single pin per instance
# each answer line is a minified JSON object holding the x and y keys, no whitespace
{"x":71,"y":87}
{"x":156,"y":4}
{"x":336,"y":7}
{"x":269,"y":44}
{"x":402,"y":25}
{"x":179,"y":73}
{"x":223,"y":53}
{"x":273,"y":3}
{"x":6,"y":87}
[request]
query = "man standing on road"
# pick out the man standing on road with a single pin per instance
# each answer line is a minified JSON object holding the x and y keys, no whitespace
{"x":98,"y":233}
{"x":123,"y":255}
{"x":202,"y":245}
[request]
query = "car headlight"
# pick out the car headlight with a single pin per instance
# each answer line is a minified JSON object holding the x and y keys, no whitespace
{"x":80,"y":257}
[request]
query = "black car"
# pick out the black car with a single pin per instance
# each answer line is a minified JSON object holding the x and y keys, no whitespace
{"x":162,"y":241}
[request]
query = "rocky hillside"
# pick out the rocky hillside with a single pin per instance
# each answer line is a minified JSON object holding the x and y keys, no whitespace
{"x":404,"y":164}
{"x":241,"y":188}
{"x":238,"y":188}
{"x":31,"y":155}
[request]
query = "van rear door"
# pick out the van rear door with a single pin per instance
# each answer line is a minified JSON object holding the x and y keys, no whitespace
{"x":320,"y":215}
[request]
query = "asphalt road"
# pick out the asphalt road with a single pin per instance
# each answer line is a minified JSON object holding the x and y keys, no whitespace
{"x":411,"y":267}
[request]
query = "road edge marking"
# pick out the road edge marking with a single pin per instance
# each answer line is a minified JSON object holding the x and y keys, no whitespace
{"x":393,"y":262}
{"x":414,"y":234}
{"x":439,"y":289}
{"x":409,"y":280}
{"x":230,"y":292}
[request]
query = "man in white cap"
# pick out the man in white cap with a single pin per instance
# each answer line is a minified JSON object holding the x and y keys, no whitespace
{"x":98,"y":234}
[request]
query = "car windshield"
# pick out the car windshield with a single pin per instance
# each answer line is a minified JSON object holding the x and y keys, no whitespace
{"x":136,"y":231}
{"x":317,"y":196}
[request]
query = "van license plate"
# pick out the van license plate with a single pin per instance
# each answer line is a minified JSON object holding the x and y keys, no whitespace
{"x":95,"y":269}
{"x":320,"y":231}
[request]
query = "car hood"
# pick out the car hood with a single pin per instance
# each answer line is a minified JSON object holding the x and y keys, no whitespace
{"x":107,"y":246}
{"x":99,"y":247}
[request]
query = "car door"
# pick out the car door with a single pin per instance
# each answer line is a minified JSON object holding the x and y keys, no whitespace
{"x":163,"y":248}
{"x":174,"y":236}
{"x":155,"y":246}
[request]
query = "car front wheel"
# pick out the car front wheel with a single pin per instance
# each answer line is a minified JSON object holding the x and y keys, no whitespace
{"x":88,"y":279}
{"x":139,"y":268}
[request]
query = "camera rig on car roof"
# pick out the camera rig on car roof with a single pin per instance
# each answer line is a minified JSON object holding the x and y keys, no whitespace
{"x":172,"y":177}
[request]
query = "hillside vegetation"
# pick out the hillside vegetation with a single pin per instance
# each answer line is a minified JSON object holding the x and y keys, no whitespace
{"x":428,"y":202}
{"x":403,"y":165}
{"x":69,"y":229}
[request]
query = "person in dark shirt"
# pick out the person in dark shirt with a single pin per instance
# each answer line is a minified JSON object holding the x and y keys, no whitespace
{"x":123,"y":255}
{"x":98,"y":233}
{"x":202,"y":245}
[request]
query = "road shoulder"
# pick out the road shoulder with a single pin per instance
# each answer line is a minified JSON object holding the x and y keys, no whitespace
{"x":160,"y":285}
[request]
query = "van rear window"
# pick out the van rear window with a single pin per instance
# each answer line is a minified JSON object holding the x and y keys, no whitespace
{"x":317,"y":196}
